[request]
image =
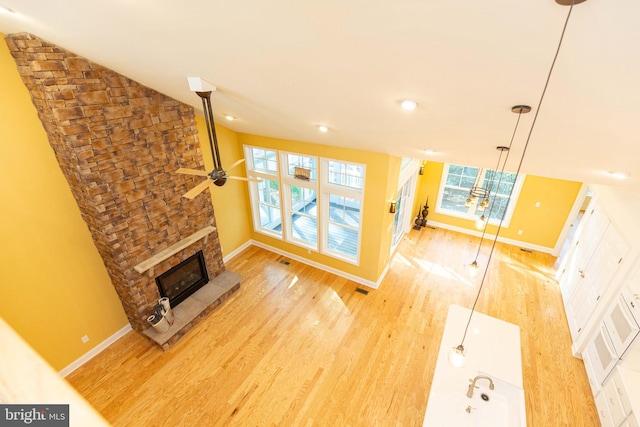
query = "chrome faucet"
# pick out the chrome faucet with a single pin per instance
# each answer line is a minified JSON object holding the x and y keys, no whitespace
{"x":473,"y":385}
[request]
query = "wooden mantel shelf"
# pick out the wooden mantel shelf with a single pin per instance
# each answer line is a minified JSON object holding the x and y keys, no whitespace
{"x":173,"y":249}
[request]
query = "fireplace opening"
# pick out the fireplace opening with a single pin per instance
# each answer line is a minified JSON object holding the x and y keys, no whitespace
{"x":184,"y":279}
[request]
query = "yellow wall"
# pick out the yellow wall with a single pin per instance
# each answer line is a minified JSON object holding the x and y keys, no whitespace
{"x":375,"y":219}
{"x":54,"y":287}
{"x":69,"y":294}
{"x":540,"y":226}
{"x":231,"y":201}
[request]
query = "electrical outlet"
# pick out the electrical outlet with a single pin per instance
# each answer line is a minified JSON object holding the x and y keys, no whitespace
{"x":520,"y":232}
{"x":85,"y":339}
{"x":537,"y":204}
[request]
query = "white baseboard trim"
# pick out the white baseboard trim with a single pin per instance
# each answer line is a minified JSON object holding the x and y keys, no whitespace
{"x":323,"y":267}
{"x":233,"y":254}
{"x":518,"y":243}
{"x":94,"y":351}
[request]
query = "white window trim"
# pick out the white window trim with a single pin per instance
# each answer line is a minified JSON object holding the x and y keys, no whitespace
{"x":253,"y":191}
{"x":323,"y":191}
{"x":517,"y":187}
{"x":408,"y":176}
{"x":326,"y":189}
{"x":285,"y":196}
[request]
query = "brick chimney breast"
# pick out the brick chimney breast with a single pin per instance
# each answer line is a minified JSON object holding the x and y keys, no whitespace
{"x":118,"y":144}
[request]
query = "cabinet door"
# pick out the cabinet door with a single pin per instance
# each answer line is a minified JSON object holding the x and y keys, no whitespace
{"x":596,"y":386}
{"x":589,"y":233}
{"x":606,"y":260}
{"x":580,"y":306}
{"x":617,"y":412}
{"x":631,"y":421}
{"x":595,"y":279}
{"x":603,"y":410}
{"x":602,"y":356}
{"x":621,"y":326}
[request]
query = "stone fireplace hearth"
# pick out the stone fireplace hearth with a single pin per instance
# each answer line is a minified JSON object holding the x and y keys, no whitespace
{"x":119,"y":144}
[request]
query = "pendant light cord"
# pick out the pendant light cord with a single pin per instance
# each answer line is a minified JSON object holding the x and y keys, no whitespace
{"x":524,"y":151}
{"x":484,"y":229}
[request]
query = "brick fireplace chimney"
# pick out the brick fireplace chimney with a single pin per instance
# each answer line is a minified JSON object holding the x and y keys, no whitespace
{"x":118,"y":144}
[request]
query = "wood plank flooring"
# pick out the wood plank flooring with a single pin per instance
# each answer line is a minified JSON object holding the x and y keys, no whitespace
{"x":296,"y":346}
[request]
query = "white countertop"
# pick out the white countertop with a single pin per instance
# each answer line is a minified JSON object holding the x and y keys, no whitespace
{"x":492,"y":346}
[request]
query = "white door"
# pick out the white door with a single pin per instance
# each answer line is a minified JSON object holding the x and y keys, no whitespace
{"x":592,"y":282}
{"x":592,"y":229}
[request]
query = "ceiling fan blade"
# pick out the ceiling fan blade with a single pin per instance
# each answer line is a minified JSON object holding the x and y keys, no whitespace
{"x":235,"y":164}
{"x":241,"y":178}
{"x":197,"y":189}
{"x":192,"y":172}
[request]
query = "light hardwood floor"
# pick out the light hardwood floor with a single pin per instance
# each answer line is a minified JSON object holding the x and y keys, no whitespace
{"x":296,"y":346}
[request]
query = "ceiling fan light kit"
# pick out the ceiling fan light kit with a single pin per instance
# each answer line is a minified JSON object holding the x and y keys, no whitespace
{"x":218,"y":175}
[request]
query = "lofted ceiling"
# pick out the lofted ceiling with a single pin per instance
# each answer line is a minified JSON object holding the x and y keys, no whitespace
{"x":282,"y":68}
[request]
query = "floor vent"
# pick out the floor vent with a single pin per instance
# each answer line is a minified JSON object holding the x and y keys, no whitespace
{"x":529,"y":251}
{"x":284,"y":261}
{"x":362,"y":291}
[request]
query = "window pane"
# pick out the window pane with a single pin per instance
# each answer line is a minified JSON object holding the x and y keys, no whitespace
{"x":454,"y":199}
{"x":459,"y":179}
{"x":304,"y":228}
{"x":268,"y":192}
{"x":303,"y":200}
{"x":343,"y":240}
{"x":461,"y":176}
{"x":506,"y":181}
{"x":264,"y":160}
{"x":304,"y":222}
{"x":270,"y":218}
{"x":346,"y":174}
{"x":269,"y":205}
{"x":294,"y":160}
{"x":497,"y":207}
{"x":344,"y":211}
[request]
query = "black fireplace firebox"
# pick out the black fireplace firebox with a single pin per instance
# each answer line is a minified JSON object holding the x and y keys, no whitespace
{"x":184,"y":279}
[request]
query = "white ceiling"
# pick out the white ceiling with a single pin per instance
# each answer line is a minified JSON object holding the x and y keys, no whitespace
{"x":283,"y":67}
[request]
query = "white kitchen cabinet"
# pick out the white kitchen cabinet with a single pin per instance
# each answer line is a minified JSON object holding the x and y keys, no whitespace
{"x":614,"y":403}
{"x":601,"y":354}
{"x":598,"y":253}
{"x":603,"y":410}
{"x":631,"y":421}
{"x":588,"y":235}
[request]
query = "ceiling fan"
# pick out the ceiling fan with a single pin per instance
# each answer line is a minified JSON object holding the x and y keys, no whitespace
{"x":218,"y":175}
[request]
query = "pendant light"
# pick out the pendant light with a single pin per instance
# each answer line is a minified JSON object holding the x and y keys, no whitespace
{"x":457,"y":354}
{"x":481,"y":223}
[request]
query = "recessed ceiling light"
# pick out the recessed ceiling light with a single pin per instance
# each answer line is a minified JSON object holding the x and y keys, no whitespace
{"x":428,"y":151}
{"x":408,"y":104}
{"x":323,"y":128}
{"x":229,"y":117}
{"x":618,"y":175}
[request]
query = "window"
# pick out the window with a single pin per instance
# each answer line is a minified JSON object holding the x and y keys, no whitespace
{"x":402,"y":199}
{"x":323,"y":213}
{"x":343,"y":194}
{"x":300,"y":200}
{"x":294,"y":160}
{"x":269,"y":205}
{"x":304,"y":215}
{"x":265,"y":195}
{"x":456,"y":182}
